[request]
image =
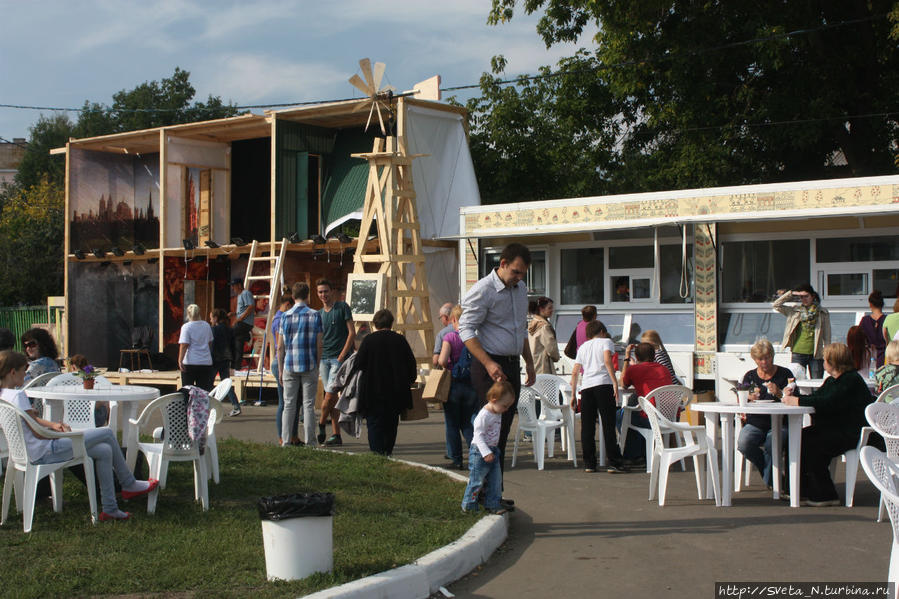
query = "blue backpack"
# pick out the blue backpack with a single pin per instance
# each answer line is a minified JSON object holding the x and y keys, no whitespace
{"x":462,"y":367}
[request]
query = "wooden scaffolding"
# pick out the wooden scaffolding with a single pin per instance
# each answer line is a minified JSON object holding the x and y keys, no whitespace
{"x":390,"y":213}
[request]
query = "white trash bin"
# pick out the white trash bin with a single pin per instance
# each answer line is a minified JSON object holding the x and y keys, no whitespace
{"x":296,"y":547}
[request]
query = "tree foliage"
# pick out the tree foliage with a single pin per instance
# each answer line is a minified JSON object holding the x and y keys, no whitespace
{"x":31,"y":239}
{"x":717,"y":93}
{"x":546,"y":137}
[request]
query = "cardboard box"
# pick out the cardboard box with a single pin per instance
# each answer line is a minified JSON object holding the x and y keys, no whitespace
{"x":692,"y":416}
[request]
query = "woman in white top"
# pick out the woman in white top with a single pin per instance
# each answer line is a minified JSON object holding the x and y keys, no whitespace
{"x":100,"y":443}
{"x":194,"y":352}
{"x":599,"y":395}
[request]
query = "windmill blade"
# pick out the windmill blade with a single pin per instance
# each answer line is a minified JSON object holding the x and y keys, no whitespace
{"x":370,"y":113}
{"x":357,"y":82}
{"x":379,"y":73}
{"x":377,"y":106}
{"x":365,"y":65}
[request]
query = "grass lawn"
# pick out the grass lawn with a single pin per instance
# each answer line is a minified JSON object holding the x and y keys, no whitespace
{"x":386,"y":515}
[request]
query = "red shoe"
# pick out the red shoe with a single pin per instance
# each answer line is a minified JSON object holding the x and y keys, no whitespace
{"x":104,"y":517}
{"x":132,"y":494}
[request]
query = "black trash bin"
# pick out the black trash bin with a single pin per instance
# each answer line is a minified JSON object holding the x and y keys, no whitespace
{"x":297,"y":533}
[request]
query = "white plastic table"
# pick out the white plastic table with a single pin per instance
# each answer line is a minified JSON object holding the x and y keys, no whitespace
{"x":128,"y":396}
{"x":728,"y":412}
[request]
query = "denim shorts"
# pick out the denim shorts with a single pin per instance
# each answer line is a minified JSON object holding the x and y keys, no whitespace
{"x":328,"y":371}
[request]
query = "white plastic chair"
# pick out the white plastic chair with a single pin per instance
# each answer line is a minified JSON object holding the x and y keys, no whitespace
{"x":554,"y":394}
{"x":882,"y":471}
{"x":669,"y":400}
{"x":177,"y":446}
{"x":528,"y":421}
{"x":884,"y":420}
{"x":79,"y":413}
{"x":696,"y":443}
{"x":22,"y":476}
{"x":216,"y":413}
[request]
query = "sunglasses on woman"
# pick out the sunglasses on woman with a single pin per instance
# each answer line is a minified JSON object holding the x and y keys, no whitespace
{"x":28,"y":344}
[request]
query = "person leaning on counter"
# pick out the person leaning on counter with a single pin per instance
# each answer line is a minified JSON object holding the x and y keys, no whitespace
{"x":836,"y":424}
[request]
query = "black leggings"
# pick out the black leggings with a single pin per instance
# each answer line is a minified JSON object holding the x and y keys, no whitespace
{"x":598,"y":400}
{"x":198,"y":374}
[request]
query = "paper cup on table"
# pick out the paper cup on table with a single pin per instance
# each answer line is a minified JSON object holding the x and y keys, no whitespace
{"x":743,"y":397}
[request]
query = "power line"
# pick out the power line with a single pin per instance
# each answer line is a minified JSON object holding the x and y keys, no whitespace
{"x":519,"y":79}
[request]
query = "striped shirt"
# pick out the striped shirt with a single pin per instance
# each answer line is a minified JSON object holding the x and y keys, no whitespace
{"x":300,"y":329}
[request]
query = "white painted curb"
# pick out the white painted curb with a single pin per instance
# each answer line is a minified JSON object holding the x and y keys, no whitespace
{"x":427,"y":574}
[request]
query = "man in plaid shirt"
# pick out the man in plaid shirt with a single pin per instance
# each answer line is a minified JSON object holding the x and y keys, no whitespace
{"x":299,"y":348}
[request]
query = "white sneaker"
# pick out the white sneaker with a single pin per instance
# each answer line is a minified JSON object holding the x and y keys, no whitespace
{"x":235,"y":412}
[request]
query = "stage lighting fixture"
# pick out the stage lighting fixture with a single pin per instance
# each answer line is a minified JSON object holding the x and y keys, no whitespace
{"x":319,"y":240}
{"x":238,"y":241}
{"x":118,"y":251}
{"x":211,"y":244}
{"x":80,"y":254}
{"x":188,"y":244}
{"x":99,"y":253}
{"x":294,"y":237}
{"x":139,"y":249}
{"x":344,"y":238}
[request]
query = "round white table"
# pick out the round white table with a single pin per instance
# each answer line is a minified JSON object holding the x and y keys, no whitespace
{"x":127,"y":396}
{"x":728,"y":412}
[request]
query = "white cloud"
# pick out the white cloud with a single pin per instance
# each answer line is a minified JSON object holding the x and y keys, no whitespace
{"x":250,"y":79}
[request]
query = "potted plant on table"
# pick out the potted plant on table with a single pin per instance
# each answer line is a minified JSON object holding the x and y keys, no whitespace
{"x":87,"y":376}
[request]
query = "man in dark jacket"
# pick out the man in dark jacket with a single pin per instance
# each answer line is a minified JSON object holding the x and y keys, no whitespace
{"x":385,"y":388}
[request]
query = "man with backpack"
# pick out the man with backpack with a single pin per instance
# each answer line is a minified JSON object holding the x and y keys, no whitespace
{"x":461,"y":406}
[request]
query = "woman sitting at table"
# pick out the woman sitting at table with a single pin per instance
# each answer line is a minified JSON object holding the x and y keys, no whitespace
{"x":41,"y":351}
{"x":100,"y":443}
{"x":767,"y":381}
{"x":836,"y":424}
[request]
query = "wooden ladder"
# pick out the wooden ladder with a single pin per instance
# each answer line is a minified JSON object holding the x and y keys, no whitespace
{"x":275,"y":270}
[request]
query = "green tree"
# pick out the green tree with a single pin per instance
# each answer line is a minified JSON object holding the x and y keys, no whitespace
{"x":545,"y":138}
{"x":37,"y":163}
{"x":31,"y":238}
{"x":719,"y":93}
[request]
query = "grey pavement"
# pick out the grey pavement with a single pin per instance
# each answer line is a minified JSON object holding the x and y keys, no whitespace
{"x":579,"y":534}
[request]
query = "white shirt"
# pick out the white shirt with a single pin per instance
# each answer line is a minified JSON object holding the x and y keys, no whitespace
{"x":591,"y":357}
{"x":197,"y":334}
{"x":496,"y":315}
{"x":486,"y":431}
{"x":35,"y":447}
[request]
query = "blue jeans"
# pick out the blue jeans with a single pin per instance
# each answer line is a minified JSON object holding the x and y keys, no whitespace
{"x":293,"y":381}
{"x":458,"y":411}
{"x":483,"y":477}
{"x":815,"y":366}
{"x":294,"y":433}
{"x":327,"y":368}
{"x":103,"y":448}
{"x":635,"y":444}
{"x":755,"y":444}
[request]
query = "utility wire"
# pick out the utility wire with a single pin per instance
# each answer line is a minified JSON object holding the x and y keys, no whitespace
{"x":519,"y":79}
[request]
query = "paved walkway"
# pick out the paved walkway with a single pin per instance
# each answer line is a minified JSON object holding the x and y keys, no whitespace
{"x":578,"y":534}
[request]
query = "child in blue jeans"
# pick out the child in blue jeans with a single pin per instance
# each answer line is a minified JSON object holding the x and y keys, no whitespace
{"x":485,"y":476}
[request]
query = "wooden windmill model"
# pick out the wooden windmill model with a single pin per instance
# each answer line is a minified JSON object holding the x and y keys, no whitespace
{"x":390,"y":213}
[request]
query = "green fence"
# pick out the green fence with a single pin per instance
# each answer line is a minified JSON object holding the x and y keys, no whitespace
{"x":19,"y":320}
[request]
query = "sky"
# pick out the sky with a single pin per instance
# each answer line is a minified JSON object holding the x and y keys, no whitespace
{"x":61,"y":53}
